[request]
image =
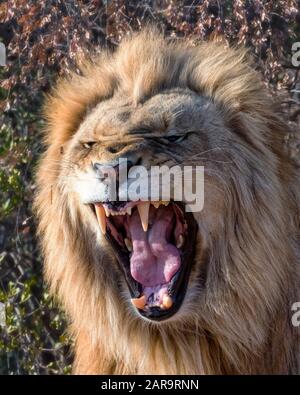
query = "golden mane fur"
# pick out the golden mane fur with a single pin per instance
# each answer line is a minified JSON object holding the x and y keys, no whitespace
{"x":243,"y":321}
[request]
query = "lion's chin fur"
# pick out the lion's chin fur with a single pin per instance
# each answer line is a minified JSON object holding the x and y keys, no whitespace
{"x":240,"y":322}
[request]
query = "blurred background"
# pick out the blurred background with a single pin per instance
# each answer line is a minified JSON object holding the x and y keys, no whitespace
{"x":42,"y":39}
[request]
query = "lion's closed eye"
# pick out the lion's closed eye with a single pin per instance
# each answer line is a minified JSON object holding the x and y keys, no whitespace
{"x":175,"y":138}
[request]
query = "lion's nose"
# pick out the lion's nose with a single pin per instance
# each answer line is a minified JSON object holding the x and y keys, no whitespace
{"x":105,"y":171}
{"x":111,"y":170}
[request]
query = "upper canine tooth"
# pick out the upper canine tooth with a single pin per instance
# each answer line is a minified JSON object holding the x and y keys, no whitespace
{"x":143,"y":209}
{"x":180,"y":241}
{"x":100,"y":212}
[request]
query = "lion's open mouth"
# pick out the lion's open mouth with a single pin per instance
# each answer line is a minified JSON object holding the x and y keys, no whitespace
{"x":154,"y":244}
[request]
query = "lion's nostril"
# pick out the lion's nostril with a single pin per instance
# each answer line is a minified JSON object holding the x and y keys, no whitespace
{"x":138,"y":162}
{"x":112,"y":169}
{"x":105,"y":171}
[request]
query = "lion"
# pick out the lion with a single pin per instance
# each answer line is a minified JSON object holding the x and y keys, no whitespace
{"x":148,"y":287}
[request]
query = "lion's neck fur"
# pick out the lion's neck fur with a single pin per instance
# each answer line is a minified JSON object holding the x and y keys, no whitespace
{"x":140,"y":349}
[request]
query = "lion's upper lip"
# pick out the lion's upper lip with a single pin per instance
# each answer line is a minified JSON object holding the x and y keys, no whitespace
{"x":149,"y":239}
{"x":123,"y":208}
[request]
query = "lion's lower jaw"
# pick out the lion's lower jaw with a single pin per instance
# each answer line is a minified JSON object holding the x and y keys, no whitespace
{"x":110,"y":340}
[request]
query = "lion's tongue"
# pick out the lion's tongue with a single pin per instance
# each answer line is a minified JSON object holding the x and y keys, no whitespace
{"x":154,"y":260}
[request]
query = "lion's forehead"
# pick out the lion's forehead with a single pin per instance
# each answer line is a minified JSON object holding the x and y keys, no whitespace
{"x":175,"y":109}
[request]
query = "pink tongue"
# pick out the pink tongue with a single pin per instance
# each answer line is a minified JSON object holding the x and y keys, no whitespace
{"x":154,"y":260}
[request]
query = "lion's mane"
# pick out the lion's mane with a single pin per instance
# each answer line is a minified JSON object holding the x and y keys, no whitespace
{"x":243,"y":323}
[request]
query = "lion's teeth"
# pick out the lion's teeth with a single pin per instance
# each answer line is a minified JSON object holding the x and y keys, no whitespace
{"x":128,"y":244}
{"x":139,"y":303}
{"x":143,"y":209}
{"x":107,"y":212}
{"x":167,"y":302}
{"x":128,"y":211}
{"x":180,"y":241}
{"x":100,"y":212}
{"x":157,"y":204}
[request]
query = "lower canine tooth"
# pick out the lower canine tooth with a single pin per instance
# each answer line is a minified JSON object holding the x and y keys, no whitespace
{"x":100,"y":212}
{"x":167,"y":302}
{"x":128,"y":244}
{"x":180,"y":241}
{"x":139,"y":303}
